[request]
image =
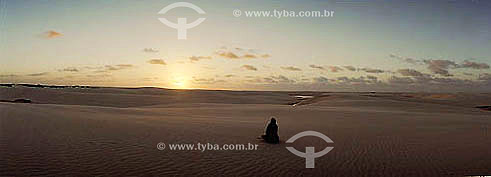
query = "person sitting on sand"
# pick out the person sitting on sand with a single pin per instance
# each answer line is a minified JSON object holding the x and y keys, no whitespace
{"x":271,"y":135}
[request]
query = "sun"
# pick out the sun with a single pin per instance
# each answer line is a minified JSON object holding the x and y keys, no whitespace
{"x":180,"y":83}
{"x":179,"y":77}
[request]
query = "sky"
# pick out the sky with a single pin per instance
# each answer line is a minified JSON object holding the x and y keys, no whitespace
{"x":377,"y":45}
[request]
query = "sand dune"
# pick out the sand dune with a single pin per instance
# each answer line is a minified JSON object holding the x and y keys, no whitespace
{"x":109,"y":131}
{"x":137,"y":97}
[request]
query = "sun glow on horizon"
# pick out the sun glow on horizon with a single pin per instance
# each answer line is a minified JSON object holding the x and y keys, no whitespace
{"x":180,"y":82}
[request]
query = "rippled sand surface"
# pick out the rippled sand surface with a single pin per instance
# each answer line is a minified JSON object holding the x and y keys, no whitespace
{"x":114,"y":132}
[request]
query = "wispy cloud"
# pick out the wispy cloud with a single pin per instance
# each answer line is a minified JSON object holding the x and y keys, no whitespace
{"x":317,"y":67}
{"x":198,"y":58}
{"x":9,"y":75}
{"x":335,"y":69}
{"x":38,"y":74}
{"x":358,"y":80}
{"x":410,"y":72}
{"x":440,"y":66}
{"x":93,"y":67}
{"x":157,"y":62}
{"x":98,"y":75}
{"x":249,"y":67}
{"x":351,"y":68}
{"x":150,"y":50}
{"x":400,"y":80}
{"x":108,"y":68}
{"x":51,"y":34}
{"x":320,"y":79}
{"x":207,"y":80}
{"x":118,"y":67}
{"x":372,"y":70}
{"x":69,"y":69}
{"x":405,"y":59}
{"x":249,"y":56}
{"x":280,"y":79}
{"x":291,"y":68}
{"x":474,"y":65}
{"x":240,"y":53}
{"x":229,"y":55}
{"x":485,"y":77}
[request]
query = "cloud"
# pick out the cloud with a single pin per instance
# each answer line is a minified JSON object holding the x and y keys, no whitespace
{"x":249,"y":67}
{"x":124,"y":66}
{"x":249,"y":56}
{"x":351,"y":68}
{"x":428,"y":83}
{"x":149,"y":79}
{"x":411,"y":60}
{"x":229,"y":55}
{"x":485,"y":77}
{"x":357,"y":81}
{"x":207,"y":80}
{"x":240,"y":53}
{"x":280,"y":79}
{"x":98,"y":75}
{"x":38,"y":74}
{"x":405,"y":59}
{"x":371,"y":70}
{"x":291,"y":68}
{"x":268,"y":80}
{"x":320,"y":79}
{"x":157,"y":62}
{"x":93,"y":67}
{"x":115,"y":67}
{"x":198,"y":58}
{"x":9,"y":75}
{"x":473,"y":65}
{"x":410,"y":72}
{"x":400,"y":80}
{"x":150,"y":50}
{"x":317,"y":67}
{"x":370,"y":77}
{"x":412,"y":82}
{"x":51,"y":34}
{"x":69,"y":69}
{"x":440,"y":66}
{"x":335,"y":69}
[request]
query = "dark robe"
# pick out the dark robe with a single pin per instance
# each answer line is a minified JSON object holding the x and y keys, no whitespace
{"x":271,"y":135}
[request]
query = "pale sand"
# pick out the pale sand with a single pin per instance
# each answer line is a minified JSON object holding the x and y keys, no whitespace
{"x":114,"y":132}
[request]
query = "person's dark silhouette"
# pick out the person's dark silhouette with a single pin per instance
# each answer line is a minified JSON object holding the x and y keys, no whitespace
{"x":271,"y":135}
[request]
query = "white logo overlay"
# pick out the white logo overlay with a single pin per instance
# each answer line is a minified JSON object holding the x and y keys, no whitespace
{"x":182,"y":26}
{"x":309,"y":153}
